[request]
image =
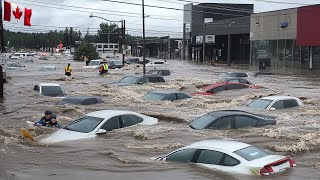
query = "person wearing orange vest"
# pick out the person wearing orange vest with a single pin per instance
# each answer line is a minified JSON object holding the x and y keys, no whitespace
{"x":68,"y":70}
{"x":104,"y":68}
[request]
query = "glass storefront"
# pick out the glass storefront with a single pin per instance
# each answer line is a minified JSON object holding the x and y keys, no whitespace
{"x":283,"y":56}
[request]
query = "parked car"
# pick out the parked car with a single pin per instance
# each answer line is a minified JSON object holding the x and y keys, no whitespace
{"x":98,"y":122}
{"x":47,"y":68}
{"x":115,"y":63}
{"x":49,"y":89}
{"x":275,"y":102}
{"x":234,"y":80}
{"x":81,"y":100}
{"x":215,"y":88}
{"x":94,"y":64}
{"x":132,"y":60}
{"x":231,"y":119}
{"x":162,"y":72}
{"x":43,"y":58}
{"x":231,"y":157}
{"x":233,"y":74}
{"x":166,"y":95}
{"x":111,"y":65}
{"x":139,"y":79}
{"x":118,"y":63}
{"x":14,"y":66}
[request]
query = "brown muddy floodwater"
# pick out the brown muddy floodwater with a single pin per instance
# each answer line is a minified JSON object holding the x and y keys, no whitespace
{"x":126,"y":153}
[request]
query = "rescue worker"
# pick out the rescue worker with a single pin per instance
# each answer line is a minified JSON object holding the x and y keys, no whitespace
{"x":67,"y":71}
{"x":103,"y":68}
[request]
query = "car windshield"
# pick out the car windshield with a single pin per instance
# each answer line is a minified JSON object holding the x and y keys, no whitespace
{"x":129,"y":80}
{"x":94,"y":63}
{"x":251,"y":153}
{"x":260,"y":104}
{"x":155,"y":96}
{"x":202,"y":122}
{"x":51,"y":91}
{"x":84,"y":124}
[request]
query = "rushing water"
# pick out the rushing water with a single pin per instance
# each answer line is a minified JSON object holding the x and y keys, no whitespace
{"x":127,"y":153}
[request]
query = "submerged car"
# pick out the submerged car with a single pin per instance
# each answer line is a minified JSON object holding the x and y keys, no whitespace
{"x":115,"y":63}
{"x":234,"y":80}
{"x":233,"y":74}
{"x":275,"y":102}
{"x":230,"y":157}
{"x":49,"y":89}
{"x":139,"y":79}
{"x":94,"y":64}
{"x":162,"y":72}
{"x":231,"y":119}
{"x":167,"y":95}
{"x":97,"y":123}
{"x":132,"y":60}
{"x":215,"y":88}
{"x":81,"y":100}
{"x":14,"y":66}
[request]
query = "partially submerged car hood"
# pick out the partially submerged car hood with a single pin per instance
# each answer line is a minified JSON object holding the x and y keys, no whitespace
{"x":65,"y":135}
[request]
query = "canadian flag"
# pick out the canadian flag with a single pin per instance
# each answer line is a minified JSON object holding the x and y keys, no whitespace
{"x":15,"y":13}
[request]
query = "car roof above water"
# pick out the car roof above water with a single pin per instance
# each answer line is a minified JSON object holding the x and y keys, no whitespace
{"x":109,"y":113}
{"x":48,"y":84}
{"x":279,"y":98}
{"x":224,"y":145}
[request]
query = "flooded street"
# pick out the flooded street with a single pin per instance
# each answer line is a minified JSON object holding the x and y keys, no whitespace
{"x":127,"y":153}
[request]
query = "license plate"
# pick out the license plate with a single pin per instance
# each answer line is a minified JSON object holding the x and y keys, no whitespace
{"x":281,"y":167}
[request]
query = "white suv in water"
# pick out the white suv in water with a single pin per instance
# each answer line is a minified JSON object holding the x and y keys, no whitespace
{"x":49,"y":89}
{"x":275,"y":102}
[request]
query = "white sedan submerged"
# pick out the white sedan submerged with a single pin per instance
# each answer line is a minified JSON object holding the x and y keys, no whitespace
{"x":232,"y":157}
{"x":98,"y":122}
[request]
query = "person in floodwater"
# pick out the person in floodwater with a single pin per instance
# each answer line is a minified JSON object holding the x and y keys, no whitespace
{"x":103,"y":68}
{"x":49,"y":119}
{"x":68,"y":70}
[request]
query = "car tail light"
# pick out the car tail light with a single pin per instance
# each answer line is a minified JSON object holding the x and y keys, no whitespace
{"x":266,"y":170}
{"x":292,"y":163}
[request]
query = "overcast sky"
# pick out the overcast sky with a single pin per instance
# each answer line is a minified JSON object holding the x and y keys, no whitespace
{"x":56,"y":14}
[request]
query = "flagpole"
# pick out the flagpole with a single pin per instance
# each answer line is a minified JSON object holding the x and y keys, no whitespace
{"x":3,"y":49}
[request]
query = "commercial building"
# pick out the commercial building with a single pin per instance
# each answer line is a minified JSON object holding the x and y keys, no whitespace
{"x":286,"y":41}
{"x":226,"y":28}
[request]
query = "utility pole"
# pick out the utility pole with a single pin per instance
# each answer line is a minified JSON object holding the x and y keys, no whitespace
{"x":3,"y":48}
{"x":123,"y":39}
{"x":204,"y":43}
{"x":184,"y":42}
{"x":143,"y":46}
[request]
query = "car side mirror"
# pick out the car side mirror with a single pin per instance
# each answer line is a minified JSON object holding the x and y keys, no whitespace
{"x":101,"y":131}
{"x":272,"y":109}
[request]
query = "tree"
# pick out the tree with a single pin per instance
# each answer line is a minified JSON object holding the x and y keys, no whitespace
{"x":111,"y":32}
{"x":66,"y":41}
{"x":86,"y":49}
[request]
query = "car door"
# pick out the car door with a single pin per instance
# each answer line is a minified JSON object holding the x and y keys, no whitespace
{"x":290,"y":103}
{"x":235,"y":86}
{"x":129,"y":120}
{"x":184,"y":155}
{"x":111,"y":124}
{"x":222,"y":123}
{"x":218,"y":89}
{"x":153,"y":79}
{"x":209,"y":158}
{"x":181,"y":96}
{"x":278,"y":105}
{"x":171,"y":97}
{"x":143,"y":80}
{"x":242,"y":121}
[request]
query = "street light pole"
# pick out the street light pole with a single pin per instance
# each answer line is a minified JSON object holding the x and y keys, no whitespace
{"x":143,"y":30}
{"x":204,"y":43}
